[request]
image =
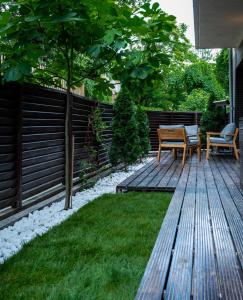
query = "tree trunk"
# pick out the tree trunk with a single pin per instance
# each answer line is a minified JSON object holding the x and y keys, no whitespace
{"x":68,"y":150}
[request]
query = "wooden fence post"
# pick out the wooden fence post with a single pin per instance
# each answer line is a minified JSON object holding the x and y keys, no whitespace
{"x":19,"y":149}
{"x":68,"y":149}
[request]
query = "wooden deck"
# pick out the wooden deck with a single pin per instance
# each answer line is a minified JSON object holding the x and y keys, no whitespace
{"x":198,"y":253}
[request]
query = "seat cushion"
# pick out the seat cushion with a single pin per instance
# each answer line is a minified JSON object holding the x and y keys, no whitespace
{"x":228,"y":129}
{"x":219,"y":140}
{"x":192,"y":141}
{"x":191,"y":130}
{"x":171,"y":126}
{"x":172,"y":142}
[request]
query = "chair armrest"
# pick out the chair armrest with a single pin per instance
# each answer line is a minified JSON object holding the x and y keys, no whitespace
{"x":214,"y":133}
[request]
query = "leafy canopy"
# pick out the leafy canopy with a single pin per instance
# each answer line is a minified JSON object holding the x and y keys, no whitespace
{"x":64,"y":42}
{"x":196,"y":101}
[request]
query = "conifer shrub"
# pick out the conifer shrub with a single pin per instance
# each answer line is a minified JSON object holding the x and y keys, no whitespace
{"x":125,"y":146}
{"x":143,"y":131}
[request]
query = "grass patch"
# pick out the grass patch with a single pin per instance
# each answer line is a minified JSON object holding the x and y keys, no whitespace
{"x":100,"y":252}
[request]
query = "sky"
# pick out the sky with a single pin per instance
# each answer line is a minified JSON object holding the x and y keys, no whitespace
{"x":183,"y":10}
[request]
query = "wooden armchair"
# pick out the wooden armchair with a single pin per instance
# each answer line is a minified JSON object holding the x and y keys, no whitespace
{"x":226,"y":138}
{"x":172,"y":138}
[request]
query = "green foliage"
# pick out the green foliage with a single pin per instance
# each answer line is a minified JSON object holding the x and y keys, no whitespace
{"x":63,"y":43}
{"x":100,"y":252}
{"x":196,"y":101}
{"x":141,"y":65}
{"x":98,"y":125}
{"x":222,"y":69}
{"x":125,"y":146}
{"x":143,"y":131}
{"x":94,"y":141}
{"x":213,"y":119}
{"x":201,"y":75}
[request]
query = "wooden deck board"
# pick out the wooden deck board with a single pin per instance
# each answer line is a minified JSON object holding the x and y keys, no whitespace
{"x":204,"y":269}
{"x":198,"y":253}
{"x":180,"y":276}
{"x":233,"y":217}
{"x":154,"y":279}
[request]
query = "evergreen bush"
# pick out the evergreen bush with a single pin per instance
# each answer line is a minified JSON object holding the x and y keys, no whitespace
{"x":143,"y":131}
{"x":125,"y":146}
{"x":213,"y":119}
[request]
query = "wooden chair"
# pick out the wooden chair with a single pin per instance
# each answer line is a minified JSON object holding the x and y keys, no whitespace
{"x":172,"y":138}
{"x":224,"y":139}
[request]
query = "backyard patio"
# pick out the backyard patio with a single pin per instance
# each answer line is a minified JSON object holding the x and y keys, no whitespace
{"x":117,"y":179}
{"x":198,"y":252}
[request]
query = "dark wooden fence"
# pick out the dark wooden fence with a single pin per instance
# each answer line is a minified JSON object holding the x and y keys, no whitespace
{"x":32,"y":156}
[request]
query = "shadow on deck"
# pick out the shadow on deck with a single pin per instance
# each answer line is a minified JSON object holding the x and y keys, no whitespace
{"x":198,"y":253}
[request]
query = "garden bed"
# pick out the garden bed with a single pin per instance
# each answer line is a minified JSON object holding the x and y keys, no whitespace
{"x":98,"y":253}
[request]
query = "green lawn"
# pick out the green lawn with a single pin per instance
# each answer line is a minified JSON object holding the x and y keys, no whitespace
{"x":100,"y":252}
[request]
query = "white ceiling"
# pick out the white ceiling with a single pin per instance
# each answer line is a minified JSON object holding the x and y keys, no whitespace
{"x":218,"y":23}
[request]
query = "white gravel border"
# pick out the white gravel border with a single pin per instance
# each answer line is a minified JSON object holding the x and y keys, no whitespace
{"x":38,"y":222}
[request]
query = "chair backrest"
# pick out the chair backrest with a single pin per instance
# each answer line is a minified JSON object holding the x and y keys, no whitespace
{"x":191,"y":130}
{"x":171,"y":134}
{"x":171,"y":126}
{"x":228,"y":129}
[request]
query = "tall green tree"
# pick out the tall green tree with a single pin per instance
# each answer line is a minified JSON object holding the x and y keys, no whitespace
{"x":222,"y":69}
{"x":196,"y":101}
{"x":201,"y":75}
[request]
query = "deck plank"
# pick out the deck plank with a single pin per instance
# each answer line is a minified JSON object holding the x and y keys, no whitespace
{"x":145,"y":174}
{"x":180,"y":276}
{"x":233,"y":184}
{"x":154,"y":279}
{"x":130,"y":179}
{"x":175,"y":177}
{"x":204,"y":269}
{"x":161,"y":168}
{"x":165,"y":179}
{"x":228,"y":241}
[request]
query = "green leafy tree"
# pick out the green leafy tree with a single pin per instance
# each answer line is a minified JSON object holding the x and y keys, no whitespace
{"x":222,"y":69}
{"x":125,"y":146}
{"x":143,"y":131}
{"x":213,"y":119}
{"x":196,"y":101}
{"x":157,"y":42}
{"x":201,"y":75}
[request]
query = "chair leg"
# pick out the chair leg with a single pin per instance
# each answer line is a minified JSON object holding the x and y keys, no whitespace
{"x":159,"y":153}
{"x":236,"y":152}
{"x":199,"y":152}
{"x":184,"y":157}
{"x":173,"y":153}
{"x":190,"y":151}
{"x":208,"y":149}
